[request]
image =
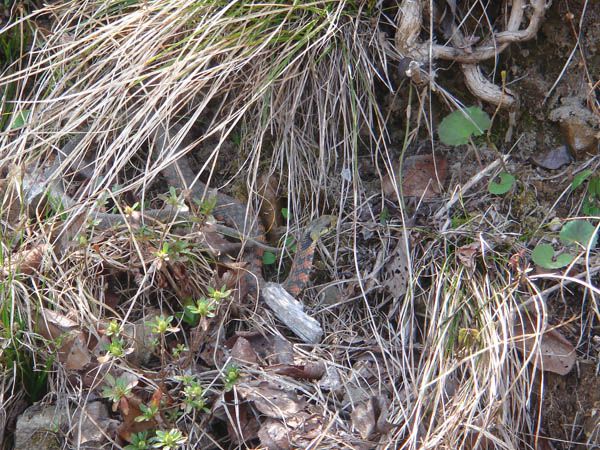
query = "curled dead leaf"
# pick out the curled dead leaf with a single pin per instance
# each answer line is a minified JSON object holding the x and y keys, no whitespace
{"x":556,"y":354}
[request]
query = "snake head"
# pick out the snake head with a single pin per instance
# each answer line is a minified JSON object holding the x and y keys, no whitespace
{"x":321,"y":226}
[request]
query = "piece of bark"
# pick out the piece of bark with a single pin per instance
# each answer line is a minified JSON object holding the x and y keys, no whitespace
{"x":291,"y":312}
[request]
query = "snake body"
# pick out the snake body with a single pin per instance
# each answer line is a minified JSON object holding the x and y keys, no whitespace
{"x":231,"y":212}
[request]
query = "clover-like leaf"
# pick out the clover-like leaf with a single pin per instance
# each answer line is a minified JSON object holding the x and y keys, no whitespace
{"x":501,"y":185}
{"x":580,"y":231}
{"x":459,"y":126}
{"x":543,"y":255}
{"x":269,"y":258}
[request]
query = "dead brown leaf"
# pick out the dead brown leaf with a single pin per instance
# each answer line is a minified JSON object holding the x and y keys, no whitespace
{"x":272,"y":400}
{"x":270,"y":349}
{"x":73,"y":349}
{"x":243,"y":353}
{"x":423,"y":176}
{"x":370,"y":417}
{"x":274,"y":435}
{"x":311,"y":371}
{"x":396,"y":272}
{"x":467,"y":254}
{"x":556,"y":354}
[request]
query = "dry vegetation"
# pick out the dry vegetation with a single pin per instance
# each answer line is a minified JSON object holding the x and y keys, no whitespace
{"x":128,"y":284}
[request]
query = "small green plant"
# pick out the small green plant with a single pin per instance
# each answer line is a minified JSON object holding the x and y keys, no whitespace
{"x":129,"y":210}
{"x":203,"y":308}
{"x":139,"y":441}
{"x":117,"y":388}
{"x":161,"y":325}
{"x":179,"y":349}
{"x":591,"y":201}
{"x":459,"y":126}
{"x":174,"y":200}
{"x":219,"y":294}
{"x":501,"y":184}
{"x":194,"y":397}
{"x":149,"y":412}
{"x":207,"y":206}
{"x":168,"y":440}
{"x":117,"y":349}
{"x":231,"y":376}
{"x":163,"y":253}
{"x":113,"y":328}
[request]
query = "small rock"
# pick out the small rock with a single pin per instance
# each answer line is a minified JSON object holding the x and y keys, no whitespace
{"x":45,"y":427}
{"x":579,"y":127}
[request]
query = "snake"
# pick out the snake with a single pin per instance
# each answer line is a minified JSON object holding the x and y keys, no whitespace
{"x":234,"y":214}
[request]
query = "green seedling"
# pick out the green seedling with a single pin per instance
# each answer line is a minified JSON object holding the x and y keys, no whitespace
{"x":168,"y":440}
{"x":174,"y":200}
{"x":139,"y":441}
{"x":149,"y":412}
{"x":219,"y":294}
{"x":161,"y":325}
{"x":207,"y":206}
{"x":113,"y":328}
{"x":116,"y":348}
{"x":231,"y":377}
{"x":500,"y":185}
{"x":179,"y":349}
{"x":194,"y":397}
{"x":458,"y":127}
{"x":117,"y":388}
{"x":203,"y":308}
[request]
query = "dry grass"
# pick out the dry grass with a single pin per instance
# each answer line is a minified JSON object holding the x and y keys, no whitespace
{"x":290,"y":90}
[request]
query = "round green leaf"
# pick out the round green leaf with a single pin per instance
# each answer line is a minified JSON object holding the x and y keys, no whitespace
{"x":580,"y":231}
{"x":503,"y":184}
{"x":269,"y":258}
{"x":543,"y":255}
{"x":459,"y":126}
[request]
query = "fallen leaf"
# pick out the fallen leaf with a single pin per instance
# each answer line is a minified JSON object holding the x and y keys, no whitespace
{"x":467,"y":254}
{"x":270,"y":349}
{"x":243,"y":353}
{"x":27,"y":261}
{"x":556,"y":354}
{"x":370,"y":417}
{"x":396,"y":272}
{"x":422,"y":176}
{"x":554,"y":158}
{"x":314,"y":371}
{"x":271,"y":400}
{"x":73,"y":349}
{"x":274,"y":435}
